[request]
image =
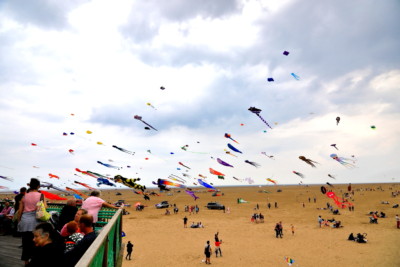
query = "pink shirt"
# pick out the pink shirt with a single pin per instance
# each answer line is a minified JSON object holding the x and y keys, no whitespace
{"x":6,"y":210}
{"x":30,"y":200}
{"x":93,"y":205}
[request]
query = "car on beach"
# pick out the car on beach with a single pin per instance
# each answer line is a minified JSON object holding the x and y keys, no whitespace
{"x":215,"y":206}
{"x":162,"y":205}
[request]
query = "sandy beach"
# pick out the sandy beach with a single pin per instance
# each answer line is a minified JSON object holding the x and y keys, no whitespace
{"x":161,"y":240}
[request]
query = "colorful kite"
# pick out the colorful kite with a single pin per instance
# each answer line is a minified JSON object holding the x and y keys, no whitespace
{"x":205,"y":184}
{"x":212,"y":171}
{"x":308,"y":161}
{"x":77,"y":192}
{"x":343,"y":161}
{"x":53,"y":176}
{"x":104,"y":181}
{"x":51,"y":196}
{"x":340,"y":202}
{"x":270,"y":180}
{"x":123,"y":150}
{"x":139,"y":118}
{"x":229,"y":136}
{"x":295,"y":76}
{"x":85,"y":185}
{"x":220,"y":161}
{"x":165,"y":182}
{"x":192,"y":194}
{"x":129,"y":182}
{"x":299,"y":174}
{"x":108,"y":165}
{"x":86,"y":173}
{"x":249,"y":180}
{"x":255,"y":164}
{"x":234,"y":148}
{"x":257,"y":111}
{"x":289,"y":261}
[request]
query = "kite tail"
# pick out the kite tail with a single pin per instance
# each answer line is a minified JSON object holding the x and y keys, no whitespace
{"x":263,"y":120}
{"x":150,"y":126}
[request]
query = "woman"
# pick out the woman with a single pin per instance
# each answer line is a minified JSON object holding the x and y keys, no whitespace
{"x":27,"y":218}
{"x":49,"y":248}
{"x":94,"y":203}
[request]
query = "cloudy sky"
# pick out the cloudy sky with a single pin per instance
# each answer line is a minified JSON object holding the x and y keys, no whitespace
{"x":77,"y":66}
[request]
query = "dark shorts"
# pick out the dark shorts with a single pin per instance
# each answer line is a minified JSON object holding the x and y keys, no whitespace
{"x":208,"y":254}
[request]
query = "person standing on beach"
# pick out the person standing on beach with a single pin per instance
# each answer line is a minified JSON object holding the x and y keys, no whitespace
{"x":269,"y":205}
{"x":277,"y":230}
{"x":276,"y":205}
{"x":398,"y":221}
{"x":129,"y":249}
{"x":292,"y":227}
{"x":185,"y":222}
{"x":216,"y":237}
{"x":218,"y":248}
{"x":207,"y":252}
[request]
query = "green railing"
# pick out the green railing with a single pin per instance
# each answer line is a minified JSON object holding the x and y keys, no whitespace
{"x":106,"y":250}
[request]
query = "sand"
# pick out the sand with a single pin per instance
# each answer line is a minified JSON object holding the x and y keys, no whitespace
{"x":161,"y":240}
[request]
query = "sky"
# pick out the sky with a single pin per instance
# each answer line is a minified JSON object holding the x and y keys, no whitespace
{"x":78,"y":66}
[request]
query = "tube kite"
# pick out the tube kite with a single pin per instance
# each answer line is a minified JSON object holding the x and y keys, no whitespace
{"x":180,"y":163}
{"x":299,"y":174}
{"x":270,"y":180}
{"x":255,"y":164}
{"x":234,"y":148}
{"x":123,"y":150}
{"x":129,"y":182}
{"x":108,"y":165}
{"x":220,"y":161}
{"x":205,"y":184}
{"x":257,"y":111}
{"x":229,"y":136}
{"x":308,"y":161}
{"x":85,"y":185}
{"x":212,"y":171}
{"x":104,"y":181}
{"x":139,"y":118}
{"x":51,"y":195}
{"x":295,"y":76}
{"x":6,"y":178}
{"x":53,"y":176}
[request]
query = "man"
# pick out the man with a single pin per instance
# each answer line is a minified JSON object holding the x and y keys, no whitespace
{"x":129,"y":248}
{"x":398,"y":221}
{"x":86,"y":227}
{"x":185,"y":222}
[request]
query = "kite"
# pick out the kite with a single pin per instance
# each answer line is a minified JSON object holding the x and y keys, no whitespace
{"x":104,"y":181}
{"x":234,"y":148}
{"x":286,"y":53}
{"x":343,"y":161}
{"x":176,"y":178}
{"x":53,"y":176}
{"x":255,"y":164}
{"x":147,"y":128}
{"x":85,"y":185}
{"x":49,"y":185}
{"x":89,"y":132}
{"x":185,"y":147}
{"x":229,"y":136}
{"x":308,"y":161}
{"x":139,"y":118}
{"x":229,"y":153}
{"x":108,"y":165}
{"x":212,"y":171}
{"x":162,"y":88}
{"x":331,"y":176}
{"x":257,"y":111}
{"x":65,"y":134}
{"x":271,"y":157}
{"x":180,"y":163}
{"x":71,"y":151}
{"x":123,"y":150}
{"x":76,"y":191}
{"x":270,"y":79}
{"x":165,"y":182}
{"x":237,"y":179}
{"x":329,"y":184}
{"x":77,"y":196}
{"x":5,"y":187}
{"x":160,"y":185}
{"x":205,"y":184}
{"x":220,"y":161}
{"x":337,"y":120}
{"x":192,"y":194}
{"x":299,"y":174}
{"x":349,"y":188}
{"x":33,"y":144}
{"x":288,"y":260}
{"x":78,"y":170}
{"x":129,"y":182}
{"x":6,"y":178}
{"x":241,"y":200}
{"x":323,"y":190}
{"x":334,"y":145}
{"x":270,"y":180}
{"x":99,"y":143}
{"x":150,"y":105}
{"x":51,"y":195}
{"x":202,"y":176}
{"x":340,"y":202}
{"x":295,"y":76}
{"x":373,"y":127}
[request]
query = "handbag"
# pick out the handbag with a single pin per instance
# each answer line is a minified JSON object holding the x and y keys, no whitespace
{"x":41,"y":212}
